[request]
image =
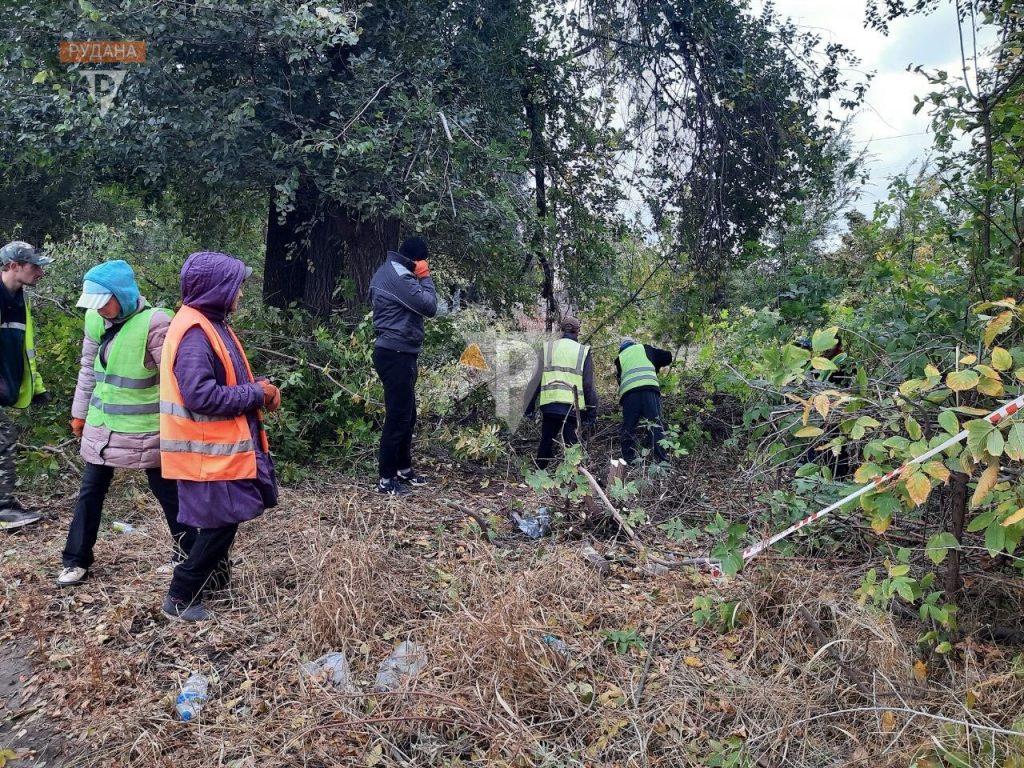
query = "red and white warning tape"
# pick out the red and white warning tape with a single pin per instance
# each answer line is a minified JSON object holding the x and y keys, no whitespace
{"x":995,"y":417}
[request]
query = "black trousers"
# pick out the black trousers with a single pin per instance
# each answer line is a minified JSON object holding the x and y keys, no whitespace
{"x":207,"y":566}
{"x":397,"y":372}
{"x":85,"y":524}
{"x":642,"y":405}
{"x":551,"y":426}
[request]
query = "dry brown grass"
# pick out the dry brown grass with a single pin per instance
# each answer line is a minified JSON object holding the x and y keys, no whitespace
{"x":337,"y":568}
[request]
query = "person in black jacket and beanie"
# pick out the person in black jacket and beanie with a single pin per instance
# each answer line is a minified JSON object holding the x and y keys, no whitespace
{"x":402,"y":294}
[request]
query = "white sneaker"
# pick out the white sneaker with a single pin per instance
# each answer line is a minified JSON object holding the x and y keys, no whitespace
{"x":72,"y":577}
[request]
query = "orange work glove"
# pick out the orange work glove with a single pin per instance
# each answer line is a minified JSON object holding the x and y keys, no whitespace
{"x":271,"y":395}
{"x":77,"y":427}
{"x":422,"y":269}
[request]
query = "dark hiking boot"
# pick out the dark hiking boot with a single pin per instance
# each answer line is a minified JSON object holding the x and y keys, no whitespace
{"x":179,"y":609}
{"x":392,"y":487}
{"x":409,"y":477}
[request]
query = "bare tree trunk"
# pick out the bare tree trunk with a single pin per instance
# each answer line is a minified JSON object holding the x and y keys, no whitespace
{"x":538,"y":156}
{"x":323,"y":254}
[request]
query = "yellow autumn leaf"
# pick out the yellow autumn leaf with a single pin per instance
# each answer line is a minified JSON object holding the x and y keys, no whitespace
{"x":990,"y":387}
{"x":918,"y":487}
{"x":808,"y":432}
{"x":971,"y":699}
{"x":693,"y":661}
{"x":880,"y":524}
{"x":1015,"y":518}
{"x":821,"y":405}
{"x":920,"y":671}
{"x":888,"y":722}
{"x":968,"y":360}
{"x":937,"y":470}
{"x":986,"y":483}
{"x":997,"y":325}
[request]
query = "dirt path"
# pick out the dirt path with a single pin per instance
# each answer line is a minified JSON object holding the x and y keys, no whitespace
{"x":24,"y":729}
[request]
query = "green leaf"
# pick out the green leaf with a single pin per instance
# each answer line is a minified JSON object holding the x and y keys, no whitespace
{"x":994,"y":443}
{"x":1015,"y":442}
{"x":913,"y":428}
{"x":949,"y":422}
{"x":40,"y":77}
{"x":939,"y":545}
{"x":977,"y":436}
{"x":995,"y":539}
{"x":823,"y":364}
{"x":1001,"y":359}
{"x":824,"y":339}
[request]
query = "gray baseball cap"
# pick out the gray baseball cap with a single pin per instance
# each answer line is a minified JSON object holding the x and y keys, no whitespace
{"x":21,"y":251}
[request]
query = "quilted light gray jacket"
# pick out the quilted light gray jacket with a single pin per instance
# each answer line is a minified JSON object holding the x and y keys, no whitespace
{"x":99,"y":444}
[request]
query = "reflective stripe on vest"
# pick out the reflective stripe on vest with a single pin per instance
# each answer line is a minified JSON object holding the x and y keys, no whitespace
{"x":196,"y":446}
{"x":563,"y":372}
{"x":126,"y":397}
{"x":637,"y":370}
{"x":31,"y":381}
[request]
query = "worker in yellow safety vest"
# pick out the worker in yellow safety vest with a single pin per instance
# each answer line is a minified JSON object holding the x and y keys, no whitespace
{"x":566,"y":390}
{"x":640,"y":394}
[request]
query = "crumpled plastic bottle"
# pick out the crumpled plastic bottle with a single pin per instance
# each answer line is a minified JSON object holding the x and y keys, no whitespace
{"x":331,"y":668}
{"x":537,"y":526}
{"x":192,"y":697}
{"x":557,"y":645}
{"x":407,"y":660}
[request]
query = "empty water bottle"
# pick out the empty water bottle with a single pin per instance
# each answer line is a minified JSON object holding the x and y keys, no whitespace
{"x":407,"y":660}
{"x":192,"y":696}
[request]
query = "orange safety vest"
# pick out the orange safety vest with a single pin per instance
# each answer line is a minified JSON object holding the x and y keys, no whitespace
{"x":194,"y":446}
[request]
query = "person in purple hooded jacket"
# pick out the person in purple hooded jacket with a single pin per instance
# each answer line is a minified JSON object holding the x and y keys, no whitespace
{"x":198,"y":397}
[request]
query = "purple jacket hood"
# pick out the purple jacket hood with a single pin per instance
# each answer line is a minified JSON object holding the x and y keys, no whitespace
{"x":210,"y":282}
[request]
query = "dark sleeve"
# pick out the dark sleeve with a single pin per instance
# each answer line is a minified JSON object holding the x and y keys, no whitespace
{"x":659,"y":358}
{"x":618,"y":371}
{"x":590,"y":388}
{"x":415,"y":295}
{"x":199,"y":374}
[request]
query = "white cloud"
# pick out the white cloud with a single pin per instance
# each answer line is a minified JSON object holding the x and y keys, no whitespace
{"x":894,"y":137}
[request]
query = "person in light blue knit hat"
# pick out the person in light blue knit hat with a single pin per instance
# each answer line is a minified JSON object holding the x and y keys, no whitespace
{"x":116,"y":410}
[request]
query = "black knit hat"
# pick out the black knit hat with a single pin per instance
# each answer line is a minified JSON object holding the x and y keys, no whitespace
{"x":414,"y":249}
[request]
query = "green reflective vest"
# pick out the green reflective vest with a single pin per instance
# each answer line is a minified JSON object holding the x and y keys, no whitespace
{"x":31,"y":381}
{"x":637,"y":370}
{"x":563,"y":370}
{"x":127,"y":393}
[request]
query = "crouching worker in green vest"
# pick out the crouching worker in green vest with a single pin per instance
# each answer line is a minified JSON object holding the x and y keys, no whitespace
{"x":566,"y":389}
{"x":637,"y":369}
{"x":116,"y":410}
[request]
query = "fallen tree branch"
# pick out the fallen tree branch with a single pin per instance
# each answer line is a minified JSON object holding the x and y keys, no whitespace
{"x":608,"y":505}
